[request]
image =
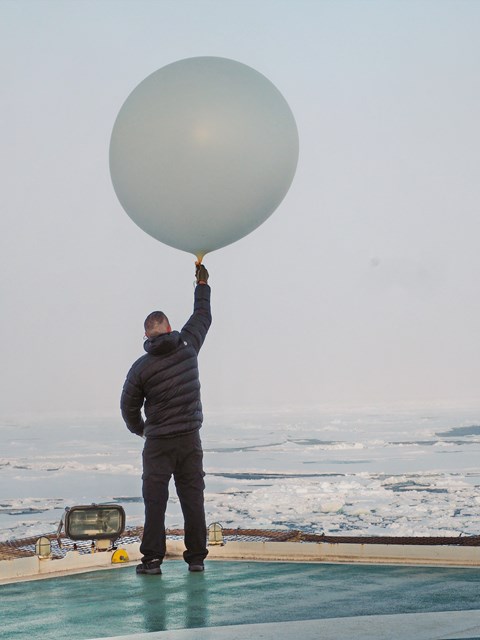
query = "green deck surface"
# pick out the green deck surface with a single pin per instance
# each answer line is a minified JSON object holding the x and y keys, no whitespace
{"x":118,"y":602}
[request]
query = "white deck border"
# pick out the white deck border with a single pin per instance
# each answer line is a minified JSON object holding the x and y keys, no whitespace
{"x":443,"y":625}
{"x":34,"y":568}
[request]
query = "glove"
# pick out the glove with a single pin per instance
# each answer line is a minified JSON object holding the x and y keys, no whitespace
{"x":201,"y":274}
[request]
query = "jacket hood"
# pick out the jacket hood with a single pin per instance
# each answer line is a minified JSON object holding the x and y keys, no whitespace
{"x":163,"y":344}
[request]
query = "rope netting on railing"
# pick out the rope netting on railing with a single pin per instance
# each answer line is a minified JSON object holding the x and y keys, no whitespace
{"x":60,"y":546}
{"x":25,"y":547}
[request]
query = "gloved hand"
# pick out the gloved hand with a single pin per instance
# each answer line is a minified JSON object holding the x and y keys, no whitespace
{"x":201,"y":274}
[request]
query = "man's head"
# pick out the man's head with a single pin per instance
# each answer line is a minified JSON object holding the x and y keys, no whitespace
{"x":156,"y":323}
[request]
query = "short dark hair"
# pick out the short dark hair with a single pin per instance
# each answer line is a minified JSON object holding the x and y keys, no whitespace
{"x":153,"y":322}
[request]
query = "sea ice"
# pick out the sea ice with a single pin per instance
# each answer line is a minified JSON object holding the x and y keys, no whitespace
{"x":366,"y":471}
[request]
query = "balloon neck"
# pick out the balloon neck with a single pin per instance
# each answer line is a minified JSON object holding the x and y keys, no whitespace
{"x":200,"y":257}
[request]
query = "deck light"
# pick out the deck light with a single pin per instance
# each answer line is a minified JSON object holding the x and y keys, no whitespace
{"x":94,"y":522}
{"x":43,"y":547}
{"x":215,"y":534}
{"x":103,"y":522}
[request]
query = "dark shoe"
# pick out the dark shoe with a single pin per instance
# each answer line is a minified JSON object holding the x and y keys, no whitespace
{"x":196,"y":567}
{"x":150,"y":568}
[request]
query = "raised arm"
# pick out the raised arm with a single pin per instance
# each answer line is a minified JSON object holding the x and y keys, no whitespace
{"x":197,"y":326}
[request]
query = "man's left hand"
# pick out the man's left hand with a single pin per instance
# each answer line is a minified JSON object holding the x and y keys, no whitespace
{"x":201,"y":274}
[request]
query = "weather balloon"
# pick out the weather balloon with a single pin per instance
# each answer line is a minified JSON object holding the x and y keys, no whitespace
{"x":202,"y":152}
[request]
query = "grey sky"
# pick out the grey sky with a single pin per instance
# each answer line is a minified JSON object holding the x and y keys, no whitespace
{"x":362,"y":288}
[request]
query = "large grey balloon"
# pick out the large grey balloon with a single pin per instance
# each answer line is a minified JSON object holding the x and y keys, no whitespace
{"x":202,"y":152}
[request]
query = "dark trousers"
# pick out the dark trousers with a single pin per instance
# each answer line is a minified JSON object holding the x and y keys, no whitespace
{"x":182,"y":457}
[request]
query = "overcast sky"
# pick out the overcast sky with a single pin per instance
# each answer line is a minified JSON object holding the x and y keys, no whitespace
{"x":361,"y":289}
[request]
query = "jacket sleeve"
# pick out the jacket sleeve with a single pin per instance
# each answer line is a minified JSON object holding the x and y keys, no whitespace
{"x":198,"y":324}
{"x":131,"y":404}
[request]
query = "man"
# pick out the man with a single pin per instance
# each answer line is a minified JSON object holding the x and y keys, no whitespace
{"x":166,"y":384}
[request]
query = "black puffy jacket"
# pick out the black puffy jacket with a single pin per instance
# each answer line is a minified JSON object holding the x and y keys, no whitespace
{"x":165,"y":380}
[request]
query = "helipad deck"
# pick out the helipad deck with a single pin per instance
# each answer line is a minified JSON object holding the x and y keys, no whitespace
{"x":313,"y":599}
